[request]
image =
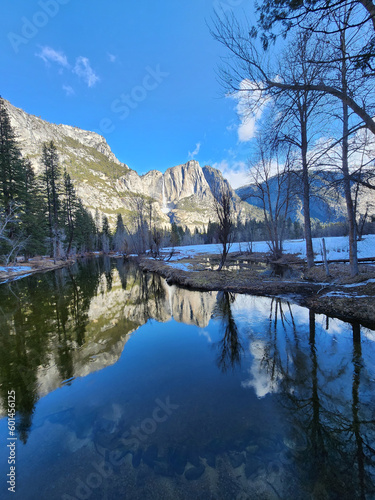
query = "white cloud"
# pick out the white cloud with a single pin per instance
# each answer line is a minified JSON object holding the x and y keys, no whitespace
{"x":112,"y":58}
{"x":196,"y":151}
{"x":83,"y":69}
{"x":48,"y":54}
{"x":236,"y":172}
{"x":68,"y":90}
{"x":246,"y":130}
{"x":250,"y":107}
{"x":263,"y":381}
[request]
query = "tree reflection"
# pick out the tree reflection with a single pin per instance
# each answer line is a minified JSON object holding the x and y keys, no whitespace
{"x":108,"y":271}
{"x":146,"y":294}
{"x":364,"y":452}
{"x":42,"y":321}
{"x":229,"y":347}
{"x":328,"y":431}
{"x":23,"y":348}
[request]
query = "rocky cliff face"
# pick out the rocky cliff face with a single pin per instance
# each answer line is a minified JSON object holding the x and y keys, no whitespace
{"x":184,"y":194}
{"x":32,"y":132}
{"x":184,"y":181}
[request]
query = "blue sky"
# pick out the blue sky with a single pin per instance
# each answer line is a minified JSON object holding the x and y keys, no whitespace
{"x":142,"y":74}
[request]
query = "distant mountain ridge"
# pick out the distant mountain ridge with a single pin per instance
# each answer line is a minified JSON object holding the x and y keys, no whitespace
{"x":327,"y":205}
{"x":184,"y":194}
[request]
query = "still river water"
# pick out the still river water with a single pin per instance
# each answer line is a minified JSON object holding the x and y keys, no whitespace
{"x":127,"y":388}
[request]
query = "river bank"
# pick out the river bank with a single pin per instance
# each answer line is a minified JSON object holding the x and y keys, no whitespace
{"x":35,"y":265}
{"x":339,"y":295}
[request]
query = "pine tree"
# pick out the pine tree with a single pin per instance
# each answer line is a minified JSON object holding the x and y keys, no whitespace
{"x":105,"y":227}
{"x":175,"y":236}
{"x":106,"y":235}
{"x":85,"y":229}
{"x":33,"y":222}
{"x":119,"y":239}
{"x":14,"y":174}
{"x":98,"y":226}
{"x":70,"y":209}
{"x":12,"y":167}
{"x":120,"y":228}
{"x":51,"y":178}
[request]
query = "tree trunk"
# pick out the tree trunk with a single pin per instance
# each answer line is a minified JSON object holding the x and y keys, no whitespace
{"x":306,"y":194}
{"x":325,"y":257}
{"x":353,"y":257}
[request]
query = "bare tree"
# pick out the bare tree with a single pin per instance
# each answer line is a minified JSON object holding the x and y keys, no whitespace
{"x":11,"y":246}
{"x":277,"y":17}
{"x":248,"y":70}
{"x":298,"y":114}
{"x":272,"y":182}
{"x":348,"y":77}
{"x":223,"y":203}
{"x":344,"y":74}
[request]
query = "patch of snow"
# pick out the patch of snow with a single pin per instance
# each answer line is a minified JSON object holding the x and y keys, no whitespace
{"x":362,"y":283}
{"x":177,"y":265}
{"x":14,"y":269}
{"x":337,"y":248}
{"x":346,"y":295}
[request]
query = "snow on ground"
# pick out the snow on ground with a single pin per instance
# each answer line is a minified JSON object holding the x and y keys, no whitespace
{"x":337,"y":248}
{"x":178,"y":265}
{"x":347,"y":295}
{"x":363,"y":283}
{"x":14,"y":269}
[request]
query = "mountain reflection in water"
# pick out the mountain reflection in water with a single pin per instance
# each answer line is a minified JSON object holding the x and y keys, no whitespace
{"x":268,"y":400}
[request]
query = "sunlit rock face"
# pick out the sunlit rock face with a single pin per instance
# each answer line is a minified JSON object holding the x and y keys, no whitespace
{"x":184,"y":194}
{"x":186,"y":180}
{"x":32,"y":132}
